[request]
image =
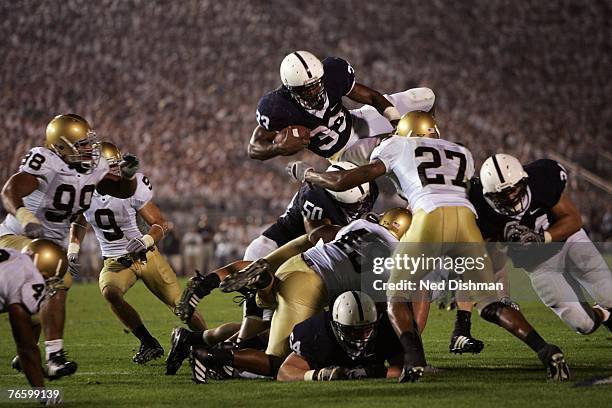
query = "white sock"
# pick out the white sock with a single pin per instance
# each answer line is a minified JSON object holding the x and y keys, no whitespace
{"x":53,"y":346}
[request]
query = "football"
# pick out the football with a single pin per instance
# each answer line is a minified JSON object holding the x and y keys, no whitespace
{"x":295,"y":131}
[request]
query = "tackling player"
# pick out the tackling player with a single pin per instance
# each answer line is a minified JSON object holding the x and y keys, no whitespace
{"x":351,"y":341}
{"x":53,"y":186}
{"x":311,"y":96}
{"x":129,"y":255}
{"x":432,"y":174}
{"x":529,"y":205}
{"x":24,"y":280}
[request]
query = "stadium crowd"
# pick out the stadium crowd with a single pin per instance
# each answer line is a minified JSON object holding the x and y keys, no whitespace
{"x":177,"y":83}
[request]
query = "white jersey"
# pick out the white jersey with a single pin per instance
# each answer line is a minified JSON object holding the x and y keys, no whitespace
{"x":339,"y":262}
{"x":20,"y":281}
{"x":114,"y":219}
{"x":62,"y":194}
{"x":429,"y":173}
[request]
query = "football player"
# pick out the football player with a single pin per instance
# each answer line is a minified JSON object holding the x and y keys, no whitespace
{"x":529,"y":205}
{"x":24,"y":280}
{"x":53,"y":186}
{"x":311,"y":96}
{"x":128,"y":254}
{"x":300,"y":288}
{"x":310,"y":208}
{"x":433,"y":174}
{"x":351,"y":341}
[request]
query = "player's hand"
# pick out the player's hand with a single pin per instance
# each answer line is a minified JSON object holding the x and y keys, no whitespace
{"x":369,"y":371}
{"x":129,"y":166}
{"x":290,"y":144}
{"x":138,"y":245}
{"x":332,"y":373}
{"x":297,"y":170}
{"x":73,"y":264}
{"x":515,"y":232}
{"x":33,"y":230}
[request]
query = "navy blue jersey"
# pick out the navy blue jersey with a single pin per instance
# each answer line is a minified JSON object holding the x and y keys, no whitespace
{"x":315,"y":341}
{"x":331,"y":126}
{"x":314,"y":203}
{"x":545,"y":184}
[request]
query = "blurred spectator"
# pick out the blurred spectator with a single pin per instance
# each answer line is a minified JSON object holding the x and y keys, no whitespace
{"x":170,"y":246}
{"x":208,"y":244}
{"x":192,"y":251}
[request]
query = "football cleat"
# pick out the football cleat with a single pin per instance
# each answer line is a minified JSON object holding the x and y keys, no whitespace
{"x":411,"y":374}
{"x":58,"y":366}
{"x":213,"y":363}
{"x":199,"y":372}
{"x":554,"y":360}
{"x":179,"y":351}
{"x":253,"y":276}
{"x":465,"y":344}
{"x":197,"y":287}
{"x":16,"y":364}
{"x":148,"y":352}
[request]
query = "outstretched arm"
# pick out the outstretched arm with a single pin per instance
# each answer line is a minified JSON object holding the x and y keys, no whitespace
{"x":344,"y":179}
{"x":368,"y":96}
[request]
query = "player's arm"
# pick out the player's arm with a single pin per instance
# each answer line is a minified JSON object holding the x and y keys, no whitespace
{"x":368,"y":96}
{"x":293,"y":368}
{"x":17,"y":187}
{"x":78,"y":228}
{"x":122,"y":188}
{"x":344,"y":179}
{"x":158,"y":225}
{"x":27,"y":348}
{"x":327,"y":232}
{"x":262,"y":146}
{"x":568,"y":220}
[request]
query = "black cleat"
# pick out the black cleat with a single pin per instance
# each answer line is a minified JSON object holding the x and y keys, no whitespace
{"x":411,"y":374}
{"x":16,"y":364}
{"x":197,"y":287}
{"x":254,"y":276}
{"x":58,"y":366}
{"x":179,"y":351}
{"x":211,"y":363}
{"x":554,"y":361}
{"x":465,"y":344}
{"x":148,"y":352}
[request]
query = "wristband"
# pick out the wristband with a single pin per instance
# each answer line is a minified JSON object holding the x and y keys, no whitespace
{"x":391,"y":113}
{"x":73,"y":248}
{"x":310,"y":375}
{"x":547,"y":237}
{"x":25,"y":216}
{"x":148,"y":240}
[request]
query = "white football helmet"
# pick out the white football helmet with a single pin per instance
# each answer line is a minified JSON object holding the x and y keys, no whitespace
{"x":354,"y":321}
{"x":504,"y":184}
{"x":353,"y":195}
{"x":302,"y":74}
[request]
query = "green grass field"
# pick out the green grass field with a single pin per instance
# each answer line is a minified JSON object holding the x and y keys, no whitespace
{"x":505,"y":374}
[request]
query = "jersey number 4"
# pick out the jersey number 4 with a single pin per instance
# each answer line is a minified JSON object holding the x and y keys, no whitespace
{"x":436,"y":162}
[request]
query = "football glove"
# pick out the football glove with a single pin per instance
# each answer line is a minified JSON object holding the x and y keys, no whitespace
{"x":297,"y":170}
{"x":515,"y":232}
{"x":129,"y":166}
{"x":331,"y":373}
{"x":33,"y":230}
{"x":73,"y":264}
{"x":137,"y":245}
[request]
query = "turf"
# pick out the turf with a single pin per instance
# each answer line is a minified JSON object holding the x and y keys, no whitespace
{"x":505,"y":374}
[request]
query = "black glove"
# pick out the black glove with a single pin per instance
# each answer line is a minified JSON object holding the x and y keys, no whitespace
{"x":369,"y":371}
{"x":331,"y":373}
{"x":129,"y":165}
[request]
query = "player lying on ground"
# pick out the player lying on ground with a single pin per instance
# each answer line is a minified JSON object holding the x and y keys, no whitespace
{"x":24,"y":280}
{"x":352,"y":341}
{"x":432,"y":174}
{"x":53,"y":186}
{"x":311,"y":97}
{"x":310,"y":208}
{"x":128,"y":254}
{"x":302,"y":287}
{"x":530,"y":206}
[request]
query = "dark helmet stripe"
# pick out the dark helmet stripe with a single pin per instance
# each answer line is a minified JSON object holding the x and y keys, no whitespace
{"x":304,"y":64}
{"x":359,"y":306}
{"x":499,"y":172}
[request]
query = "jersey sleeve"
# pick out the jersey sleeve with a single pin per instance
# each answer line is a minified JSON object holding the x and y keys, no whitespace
{"x":143,"y":193}
{"x":272,"y":113}
{"x":315,"y":204}
{"x":390,"y":152}
{"x":548,"y":181}
{"x":339,"y":76}
{"x":27,"y":286}
{"x":41,"y":163}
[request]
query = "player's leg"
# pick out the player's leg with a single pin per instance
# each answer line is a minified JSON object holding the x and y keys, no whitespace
{"x":494,"y":311}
